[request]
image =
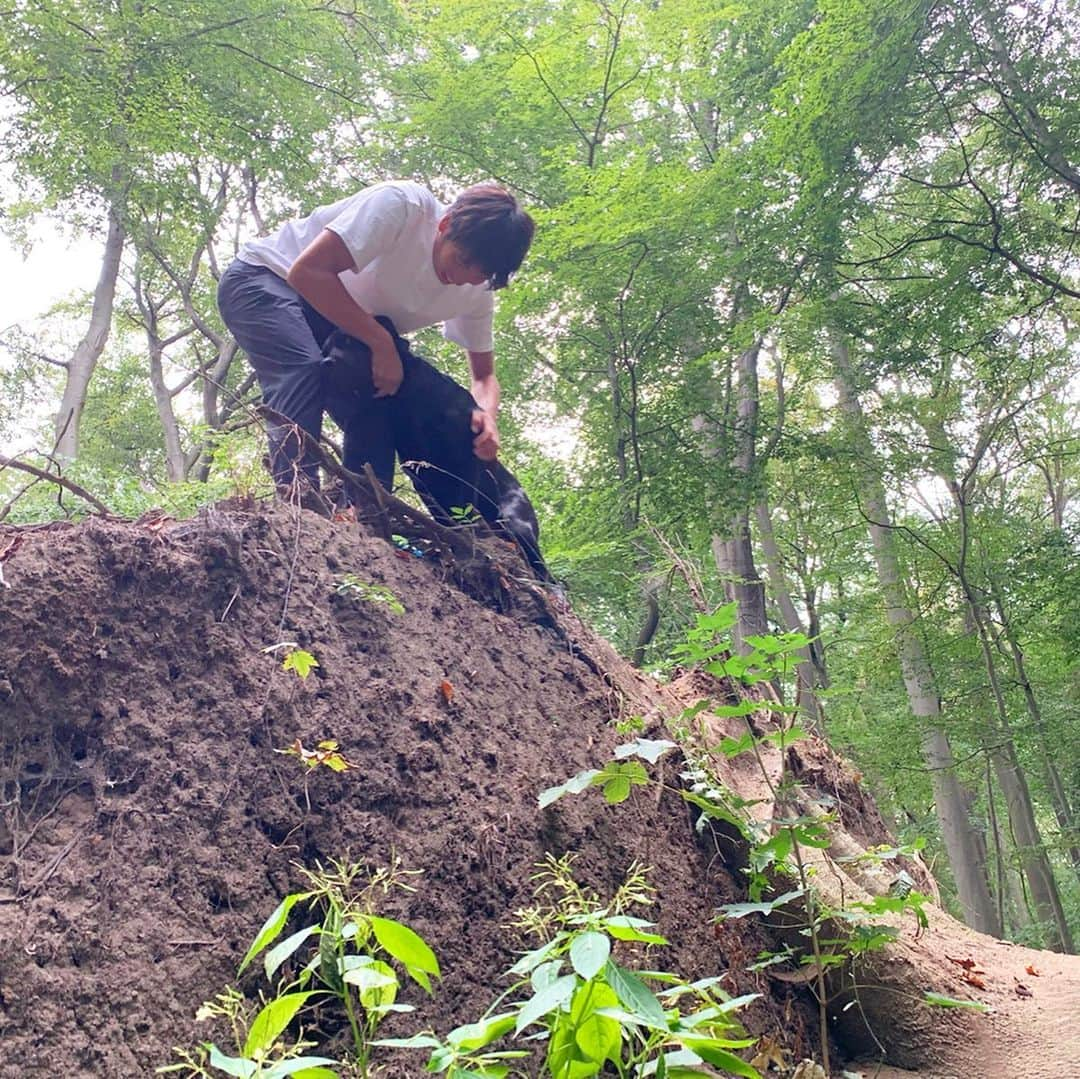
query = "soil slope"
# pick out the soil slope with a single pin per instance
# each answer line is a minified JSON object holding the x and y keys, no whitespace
{"x":147,"y":827}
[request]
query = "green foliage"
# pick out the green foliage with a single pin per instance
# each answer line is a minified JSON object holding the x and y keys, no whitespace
{"x":352,"y":587}
{"x":345,"y":958}
{"x":617,"y":778}
{"x":326,"y":754}
{"x":262,"y":1053}
{"x":595,"y":1014}
{"x":299,"y":660}
{"x":465,"y":515}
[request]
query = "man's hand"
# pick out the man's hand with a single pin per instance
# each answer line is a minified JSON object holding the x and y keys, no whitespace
{"x":387,"y":371}
{"x":486,"y":443}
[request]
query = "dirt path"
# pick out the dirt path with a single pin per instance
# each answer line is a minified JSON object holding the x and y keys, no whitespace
{"x":1032,"y":1030}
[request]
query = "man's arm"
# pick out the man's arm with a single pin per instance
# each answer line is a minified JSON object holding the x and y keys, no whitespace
{"x":485,"y":388}
{"x":314,"y":275}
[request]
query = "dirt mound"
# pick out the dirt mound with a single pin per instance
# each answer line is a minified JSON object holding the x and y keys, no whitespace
{"x":148,"y":828}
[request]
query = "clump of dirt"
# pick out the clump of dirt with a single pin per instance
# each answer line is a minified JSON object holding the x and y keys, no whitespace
{"x":148,"y":827}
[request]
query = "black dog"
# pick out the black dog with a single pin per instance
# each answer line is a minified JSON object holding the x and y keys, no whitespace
{"x":429,"y":421}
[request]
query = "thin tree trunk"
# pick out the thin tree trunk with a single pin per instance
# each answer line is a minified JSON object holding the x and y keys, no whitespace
{"x":805,"y":674}
{"x":1002,"y":748}
{"x":625,"y":445}
{"x":81,"y":366}
{"x":961,"y":839}
{"x":1059,"y":797}
{"x":1014,"y":788}
{"x":175,"y":459}
{"x":734,"y":554}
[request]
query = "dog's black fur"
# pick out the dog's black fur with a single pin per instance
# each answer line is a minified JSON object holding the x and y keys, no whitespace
{"x":431,"y":422}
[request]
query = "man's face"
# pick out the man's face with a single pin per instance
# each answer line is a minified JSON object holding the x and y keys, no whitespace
{"x":452,"y":265}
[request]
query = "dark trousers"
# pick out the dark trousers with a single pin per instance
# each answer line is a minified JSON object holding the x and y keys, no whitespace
{"x":283,"y":336}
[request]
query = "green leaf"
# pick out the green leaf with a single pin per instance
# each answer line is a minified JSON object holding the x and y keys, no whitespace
{"x":417,"y":1041}
{"x":695,"y":710}
{"x":712,"y":809}
{"x":545,"y":974}
{"x":376,"y":984}
{"x":574,"y":785}
{"x":772,"y":644}
{"x":743,"y":708}
{"x":280,"y":952}
{"x":734,"y":747}
{"x":726,"y":1006}
{"x":618,"y":779}
{"x":679,"y":1063}
{"x":713,"y":1054}
{"x":408,"y":947}
{"x":588,"y":954}
{"x":303,"y":1068}
{"x":534,"y":958}
{"x":272,"y":926}
{"x":940,"y":1001}
{"x":235,"y":1066}
{"x":597,"y":1036}
{"x":635,"y":995}
{"x":303,"y":663}
{"x":272,"y":1020}
{"x":622,"y":927}
{"x":740,"y":910}
{"x":550,"y":999}
{"x":473,"y":1036}
{"x":616,"y":790}
{"x":649,"y":749}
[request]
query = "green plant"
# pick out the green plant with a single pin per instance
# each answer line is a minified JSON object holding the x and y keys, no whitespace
{"x":260,"y":1052}
{"x":296,"y":658}
{"x":595,"y":1015}
{"x":355,"y":588}
{"x":618,"y":777}
{"x":779,"y":875}
{"x":349,"y":954}
{"x":465,"y":515}
{"x":327,"y":754}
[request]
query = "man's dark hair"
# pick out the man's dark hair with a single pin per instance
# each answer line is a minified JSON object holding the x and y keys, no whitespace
{"x":491,"y":229}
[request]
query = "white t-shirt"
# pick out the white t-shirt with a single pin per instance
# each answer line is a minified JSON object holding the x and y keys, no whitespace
{"x":389,"y":229}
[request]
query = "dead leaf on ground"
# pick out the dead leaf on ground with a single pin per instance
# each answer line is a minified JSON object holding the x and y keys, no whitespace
{"x":1032,"y":971}
{"x":967,"y":964}
{"x":447,"y":690}
{"x":769,"y":1053}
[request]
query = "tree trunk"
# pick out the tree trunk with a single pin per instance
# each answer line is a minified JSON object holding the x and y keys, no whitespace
{"x":960,"y":838}
{"x":176,"y":462}
{"x":1014,"y":787}
{"x":1000,"y":745}
{"x":805,"y":674}
{"x":734,"y":554}
{"x":81,"y":366}
{"x":1055,"y":788}
{"x":624,"y":425}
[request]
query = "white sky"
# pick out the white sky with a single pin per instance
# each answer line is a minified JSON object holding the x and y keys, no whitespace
{"x":54,"y":268}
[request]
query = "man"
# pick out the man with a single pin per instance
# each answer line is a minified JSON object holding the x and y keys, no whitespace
{"x":391,"y":250}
